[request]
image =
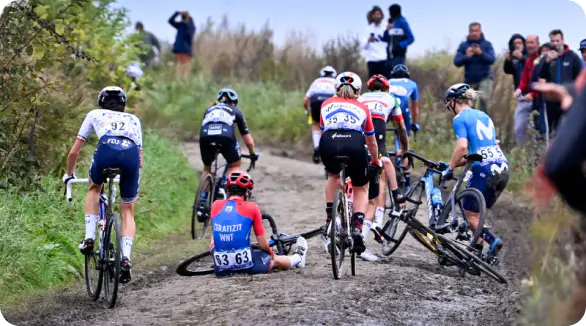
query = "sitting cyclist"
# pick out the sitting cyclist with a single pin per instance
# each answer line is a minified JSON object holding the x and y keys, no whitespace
{"x":232,"y":220}
{"x":475,"y":133}
{"x":382,"y":106}
{"x":320,"y":90}
{"x":119,"y":146}
{"x":347,"y":126}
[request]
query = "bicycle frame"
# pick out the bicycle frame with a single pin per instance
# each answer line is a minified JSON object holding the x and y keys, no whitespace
{"x":105,"y":213}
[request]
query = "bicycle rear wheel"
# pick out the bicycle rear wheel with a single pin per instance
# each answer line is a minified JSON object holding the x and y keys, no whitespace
{"x":339,"y":233}
{"x":112,"y":258}
{"x":475,"y":198}
{"x":94,"y":273}
{"x":200,"y":211}
{"x":200,"y":264}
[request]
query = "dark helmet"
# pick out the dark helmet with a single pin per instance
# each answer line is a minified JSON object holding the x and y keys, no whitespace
{"x":400,"y":71}
{"x":112,"y":98}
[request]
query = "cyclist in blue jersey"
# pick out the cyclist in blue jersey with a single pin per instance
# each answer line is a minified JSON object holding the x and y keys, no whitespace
{"x":232,"y":220}
{"x":475,"y":133}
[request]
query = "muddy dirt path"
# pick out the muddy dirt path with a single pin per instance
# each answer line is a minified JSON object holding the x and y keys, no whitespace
{"x":408,"y":288}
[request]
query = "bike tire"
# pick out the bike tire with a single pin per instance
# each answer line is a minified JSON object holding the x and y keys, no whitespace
{"x":207,"y":182}
{"x":479,"y":198}
{"x":337,"y":238}
{"x":184,"y":268}
{"x":472,"y":260}
{"x":94,"y":284}
{"x":112,"y":261}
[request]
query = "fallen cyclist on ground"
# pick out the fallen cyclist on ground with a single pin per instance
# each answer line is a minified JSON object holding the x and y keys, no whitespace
{"x":232,"y":220}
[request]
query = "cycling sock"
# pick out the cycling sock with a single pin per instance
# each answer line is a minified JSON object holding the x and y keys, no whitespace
{"x":295,"y":260}
{"x":378,"y":216}
{"x":90,"y":226}
{"x":126,"y":246}
{"x":358,"y":220}
{"x":329,"y":210}
{"x":366,"y":228}
{"x":486,"y":235}
{"x":315,"y":135}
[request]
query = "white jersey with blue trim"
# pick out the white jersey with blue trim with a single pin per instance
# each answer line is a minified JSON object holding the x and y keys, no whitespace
{"x":322,"y":85}
{"x":111,"y":123}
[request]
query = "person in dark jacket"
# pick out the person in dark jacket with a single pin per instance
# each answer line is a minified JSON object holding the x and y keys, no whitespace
{"x":183,"y":41}
{"x":583,"y":51}
{"x":149,"y":41}
{"x":399,"y":37}
{"x":561,"y":65}
{"x":476,"y":54}
{"x":515,"y":58}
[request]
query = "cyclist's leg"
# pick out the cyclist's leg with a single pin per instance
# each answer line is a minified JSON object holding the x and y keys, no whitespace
{"x":358,"y":172}
{"x":295,"y":260}
{"x":91,"y":206}
{"x":315,"y":107}
{"x":376,"y":206}
{"x":328,"y":149}
{"x":207,"y":152}
{"x":231,"y":152}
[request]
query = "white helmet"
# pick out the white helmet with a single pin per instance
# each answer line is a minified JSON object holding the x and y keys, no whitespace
{"x":327,"y":69}
{"x":349,"y":78}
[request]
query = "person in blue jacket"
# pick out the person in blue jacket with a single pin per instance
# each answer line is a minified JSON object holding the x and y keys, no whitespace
{"x":399,"y":37}
{"x":183,"y":41}
{"x":476,"y":54}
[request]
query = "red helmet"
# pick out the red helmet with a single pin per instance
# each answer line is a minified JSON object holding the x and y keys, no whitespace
{"x":240,"y":180}
{"x":380,"y":78}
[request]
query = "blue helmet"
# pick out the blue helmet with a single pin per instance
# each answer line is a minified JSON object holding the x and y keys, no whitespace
{"x":230,"y":93}
{"x":400,"y":71}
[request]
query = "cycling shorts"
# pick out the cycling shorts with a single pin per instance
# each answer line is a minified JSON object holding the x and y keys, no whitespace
{"x":491,"y":180}
{"x":345,"y":143}
{"x":121,"y":153}
{"x":315,"y":103}
{"x":228,"y":146}
{"x":262,"y":264}
{"x":380,"y":132}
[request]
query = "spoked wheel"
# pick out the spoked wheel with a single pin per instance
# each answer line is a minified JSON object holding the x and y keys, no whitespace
{"x":200,"y":212}
{"x":339,"y":234}
{"x":395,"y":229}
{"x":94,"y":273}
{"x":112,"y":261}
{"x":201,"y":264}
{"x":460,"y":227}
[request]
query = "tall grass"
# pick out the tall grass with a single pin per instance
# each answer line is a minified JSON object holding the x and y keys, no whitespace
{"x":41,"y":231}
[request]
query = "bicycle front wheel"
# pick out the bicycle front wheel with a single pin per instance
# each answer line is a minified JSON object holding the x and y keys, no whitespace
{"x":94,"y":273}
{"x":112,"y":258}
{"x":200,"y":264}
{"x":202,"y":207}
{"x":473,"y":198}
{"x":339,"y":233}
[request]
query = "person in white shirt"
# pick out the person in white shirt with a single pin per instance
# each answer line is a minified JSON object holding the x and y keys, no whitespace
{"x":374,"y":48}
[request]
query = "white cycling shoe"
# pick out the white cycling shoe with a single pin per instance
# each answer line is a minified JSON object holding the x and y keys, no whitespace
{"x":301,"y":250}
{"x":368,"y":256}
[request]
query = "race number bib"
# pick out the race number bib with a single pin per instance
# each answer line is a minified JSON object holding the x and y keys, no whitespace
{"x":214,"y":129}
{"x":343,"y":121}
{"x":233,"y":259}
{"x":491,"y":154}
{"x":378,"y":109}
{"x":218,"y":115}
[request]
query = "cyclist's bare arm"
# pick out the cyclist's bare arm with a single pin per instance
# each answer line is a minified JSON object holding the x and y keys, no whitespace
{"x":306,"y":103}
{"x":249,"y":142}
{"x":372,"y":146}
{"x":243,"y":128}
{"x":73,"y":155}
{"x":402,"y":131}
{"x":459,"y":152}
{"x":415,"y":110}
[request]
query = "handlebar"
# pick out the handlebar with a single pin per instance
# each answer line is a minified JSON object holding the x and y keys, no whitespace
{"x":436,"y":167}
{"x":269,"y":218}
{"x":71,"y":182}
{"x":252,"y":158}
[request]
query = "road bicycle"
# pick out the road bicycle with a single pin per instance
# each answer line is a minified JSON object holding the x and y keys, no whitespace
{"x":102,"y":266}
{"x":203,"y":263}
{"x":209,"y":190}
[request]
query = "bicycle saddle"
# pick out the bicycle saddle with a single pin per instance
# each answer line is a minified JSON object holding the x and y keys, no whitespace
{"x":111,"y":173}
{"x":473,"y":157}
{"x":343,"y":159}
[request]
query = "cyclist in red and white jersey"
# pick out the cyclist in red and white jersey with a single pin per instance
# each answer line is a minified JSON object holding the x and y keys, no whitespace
{"x":383,"y":106}
{"x":320,"y":90}
{"x":347,"y":126}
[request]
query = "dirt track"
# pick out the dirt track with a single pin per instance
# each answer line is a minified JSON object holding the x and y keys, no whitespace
{"x":408,"y":288}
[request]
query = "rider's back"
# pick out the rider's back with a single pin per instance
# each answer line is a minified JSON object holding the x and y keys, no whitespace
{"x":232,"y":221}
{"x":322,"y":86}
{"x":219,"y":120}
{"x":112,"y":124}
{"x":479,"y":129}
{"x":380,"y":104}
{"x":404,"y":89}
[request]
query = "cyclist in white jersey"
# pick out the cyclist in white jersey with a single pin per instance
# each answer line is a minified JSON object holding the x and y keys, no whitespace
{"x":320,"y":90}
{"x":383,"y":106}
{"x":119,"y":146}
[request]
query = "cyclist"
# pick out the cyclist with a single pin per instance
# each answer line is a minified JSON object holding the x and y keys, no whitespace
{"x":320,"y":90}
{"x":405,"y":89}
{"x":347,"y":126}
{"x":119,"y":146}
{"x":232,"y":220}
{"x":476,"y":133}
{"x":382,"y":106}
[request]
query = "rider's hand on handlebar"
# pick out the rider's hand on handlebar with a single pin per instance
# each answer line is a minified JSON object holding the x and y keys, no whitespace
{"x":447,"y":174}
{"x":415,"y":127}
{"x":377,"y":165}
{"x":67,"y":178}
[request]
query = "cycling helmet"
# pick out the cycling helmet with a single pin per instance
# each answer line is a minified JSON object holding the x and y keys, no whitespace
{"x":112,"y":98}
{"x":230,"y":93}
{"x":456,"y":91}
{"x":239,"y":181}
{"x":400,"y":71}
{"x":328,"y":70}
{"x":381,"y":79}
{"x":349,"y":78}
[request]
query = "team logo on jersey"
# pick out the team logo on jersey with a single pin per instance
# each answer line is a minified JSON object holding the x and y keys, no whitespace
{"x":125,"y":144}
{"x":228,"y":209}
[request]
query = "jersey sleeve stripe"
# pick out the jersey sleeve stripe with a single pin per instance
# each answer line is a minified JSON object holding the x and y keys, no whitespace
{"x":369,"y":133}
{"x":80,"y":137}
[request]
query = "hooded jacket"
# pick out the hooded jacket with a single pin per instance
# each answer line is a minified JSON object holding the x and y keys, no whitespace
{"x":563,"y":69}
{"x":477,"y":67}
{"x":400,"y":36}
{"x":515,"y":66}
{"x":185,"y":32}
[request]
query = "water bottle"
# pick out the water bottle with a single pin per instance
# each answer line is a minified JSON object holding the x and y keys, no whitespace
{"x":467,"y":176}
{"x":221,"y":194}
{"x":436,"y":197}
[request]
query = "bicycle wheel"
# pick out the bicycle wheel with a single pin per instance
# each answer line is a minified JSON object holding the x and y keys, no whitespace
{"x":94,"y":273}
{"x":200,"y":264}
{"x":205,"y":186}
{"x":470,"y":194}
{"x":338,"y":234}
{"x":474,"y":263}
{"x":112,"y":260}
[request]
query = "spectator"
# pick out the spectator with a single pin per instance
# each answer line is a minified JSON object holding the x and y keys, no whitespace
{"x":398,"y":36}
{"x":515,"y":58}
{"x":561,"y":65}
{"x":375,"y":49}
{"x":183,"y":41}
{"x":583,"y":50}
{"x":476,"y":54}
{"x":538,"y":103}
{"x":522,"y":94}
{"x":148,"y":42}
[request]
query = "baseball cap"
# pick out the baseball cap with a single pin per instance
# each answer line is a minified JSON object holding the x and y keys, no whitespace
{"x":583,"y":44}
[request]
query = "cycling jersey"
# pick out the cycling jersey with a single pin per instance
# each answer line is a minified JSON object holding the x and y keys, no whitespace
{"x":219,"y":120}
{"x":232,"y":221}
{"x":111,"y":123}
{"x":382,"y":105}
{"x":345,"y":114}
{"x":325,"y":86}
{"x":404,"y":89}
